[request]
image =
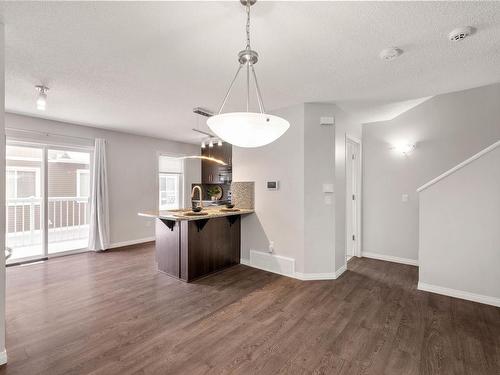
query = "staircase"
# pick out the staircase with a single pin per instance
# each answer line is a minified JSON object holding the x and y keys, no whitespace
{"x":459,"y":233}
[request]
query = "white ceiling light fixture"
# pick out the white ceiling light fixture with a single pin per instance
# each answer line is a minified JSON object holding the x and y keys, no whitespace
{"x":461,"y":33}
{"x":41,"y":100}
{"x":247,"y":129}
{"x":391,"y":53}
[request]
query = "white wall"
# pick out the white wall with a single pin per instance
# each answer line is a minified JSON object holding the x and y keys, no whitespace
{"x":460,"y":232}
{"x":3,"y":357}
{"x":447,"y":129}
{"x":319,"y":168}
{"x":132,"y":168}
{"x":296,"y":217}
{"x":343,"y":126}
{"x":279,"y":215}
{"x":324,"y":158}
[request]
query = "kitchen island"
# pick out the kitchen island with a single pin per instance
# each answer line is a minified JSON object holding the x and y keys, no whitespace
{"x":190,"y":246}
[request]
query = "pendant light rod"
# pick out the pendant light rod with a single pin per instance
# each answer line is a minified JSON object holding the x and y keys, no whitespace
{"x":248,"y":25}
{"x":248,"y":87}
{"x":259,"y":95}
{"x":229,"y":90}
{"x":247,"y":129}
{"x":247,"y":58}
{"x":248,"y":48}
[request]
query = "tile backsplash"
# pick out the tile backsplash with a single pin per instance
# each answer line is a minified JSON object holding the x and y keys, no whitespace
{"x":243,"y":194}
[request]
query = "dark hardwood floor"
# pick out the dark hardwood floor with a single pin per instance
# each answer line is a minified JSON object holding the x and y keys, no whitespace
{"x":112,"y":313}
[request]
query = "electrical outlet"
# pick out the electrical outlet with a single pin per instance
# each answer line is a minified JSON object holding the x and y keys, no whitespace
{"x":404,"y":198}
{"x":271,"y":246}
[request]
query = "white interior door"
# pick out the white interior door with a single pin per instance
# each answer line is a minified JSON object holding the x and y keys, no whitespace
{"x":353,"y":184}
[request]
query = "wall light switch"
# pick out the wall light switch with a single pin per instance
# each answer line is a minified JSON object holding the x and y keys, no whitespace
{"x":327,"y":188}
{"x":328,"y":200}
{"x":404,"y":198}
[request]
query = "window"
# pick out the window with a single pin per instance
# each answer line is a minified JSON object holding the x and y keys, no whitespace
{"x":82,"y":183}
{"x":171,"y":179}
{"x":169,"y":191}
{"x":22,"y":182}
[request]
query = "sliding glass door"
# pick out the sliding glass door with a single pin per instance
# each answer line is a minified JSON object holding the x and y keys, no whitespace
{"x":68,"y":174}
{"x":24,"y":202}
{"x":47,"y":200}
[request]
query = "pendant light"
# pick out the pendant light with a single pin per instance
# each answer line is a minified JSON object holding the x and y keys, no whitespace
{"x":247,"y":129}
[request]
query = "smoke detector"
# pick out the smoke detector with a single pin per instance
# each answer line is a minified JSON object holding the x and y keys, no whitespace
{"x":389,"y":54}
{"x":460,"y":33}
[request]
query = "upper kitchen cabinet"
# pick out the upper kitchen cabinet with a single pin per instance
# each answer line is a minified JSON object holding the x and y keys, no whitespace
{"x":212,"y":172}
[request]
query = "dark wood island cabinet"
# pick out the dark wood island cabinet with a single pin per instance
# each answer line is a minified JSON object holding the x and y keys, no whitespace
{"x":192,"y":247}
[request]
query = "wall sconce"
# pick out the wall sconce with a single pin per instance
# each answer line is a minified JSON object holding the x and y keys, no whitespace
{"x":403,"y":147}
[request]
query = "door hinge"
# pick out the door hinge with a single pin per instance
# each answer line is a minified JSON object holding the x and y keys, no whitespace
{"x":353,"y":237}
{"x":353,"y":197}
{"x":353,"y":156}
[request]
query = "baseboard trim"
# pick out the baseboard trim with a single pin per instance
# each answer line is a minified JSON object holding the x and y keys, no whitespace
{"x":3,"y":357}
{"x":131,"y":242}
{"x":340,"y":271}
{"x":293,"y":274}
{"x":389,"y":258}
{"x":488,"y":300}
{"x":321,"y":276}
{"x":245,"y":261}
{"x":315,"y":276}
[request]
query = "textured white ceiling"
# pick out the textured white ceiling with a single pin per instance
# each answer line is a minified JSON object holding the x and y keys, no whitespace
{"x":142,"y":67}
{"x":366,"y":111}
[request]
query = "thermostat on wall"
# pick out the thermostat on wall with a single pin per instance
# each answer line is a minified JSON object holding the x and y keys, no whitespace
{"x":327,"y":120}
{"x":273,"y":185}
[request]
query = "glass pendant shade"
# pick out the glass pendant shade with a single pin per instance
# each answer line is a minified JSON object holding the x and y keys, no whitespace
{"x":248,"y":129}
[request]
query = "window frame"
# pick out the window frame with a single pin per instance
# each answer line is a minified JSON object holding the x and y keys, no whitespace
{"x":179,"y":181}
{"x":181,"y":175}
{"x":79,"y":172}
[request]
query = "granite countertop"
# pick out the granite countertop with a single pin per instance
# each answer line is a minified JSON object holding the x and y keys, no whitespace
{"x":179,"y":215}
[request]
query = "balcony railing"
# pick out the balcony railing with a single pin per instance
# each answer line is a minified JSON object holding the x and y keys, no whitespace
{"x":67,"y":220}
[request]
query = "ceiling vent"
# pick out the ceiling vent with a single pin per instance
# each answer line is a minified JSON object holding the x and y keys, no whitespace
{"x":389,"y":54}
{"x":460,"y":33}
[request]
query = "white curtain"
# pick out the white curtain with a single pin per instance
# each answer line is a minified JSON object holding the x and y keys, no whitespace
{"x":99,"y":209}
